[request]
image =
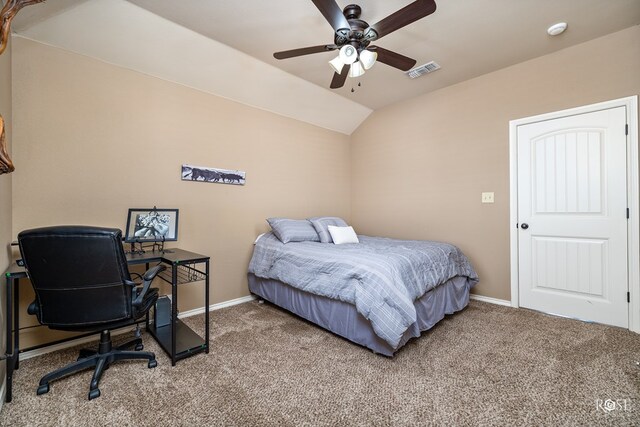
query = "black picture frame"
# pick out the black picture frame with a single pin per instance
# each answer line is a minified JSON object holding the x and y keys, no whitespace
{"x":151,"y":225}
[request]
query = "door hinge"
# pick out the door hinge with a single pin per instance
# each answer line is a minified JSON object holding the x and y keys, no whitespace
{"x":628,"y":296}
{"x":517,"y":225}
{"x":627,"y":213}
{"x":626,"y":129}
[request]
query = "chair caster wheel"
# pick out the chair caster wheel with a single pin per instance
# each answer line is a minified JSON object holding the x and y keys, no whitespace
{"x":42,"y":389}
{"x":139,"y":347}
{"x":152,"y":364}
{"x":94,"y":393}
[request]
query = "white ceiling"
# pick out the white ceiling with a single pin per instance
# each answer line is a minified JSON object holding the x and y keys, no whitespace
{"x":467,"y":38}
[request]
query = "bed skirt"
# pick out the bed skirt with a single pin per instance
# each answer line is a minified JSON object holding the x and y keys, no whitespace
{"x":343,"y":319}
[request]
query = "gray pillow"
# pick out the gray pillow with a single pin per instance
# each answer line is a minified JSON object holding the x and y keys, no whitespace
{"x":293,"y":230}
{"x":321,"y":224}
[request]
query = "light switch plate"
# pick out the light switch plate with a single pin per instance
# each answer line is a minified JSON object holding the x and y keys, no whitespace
{"x":487,"y":197}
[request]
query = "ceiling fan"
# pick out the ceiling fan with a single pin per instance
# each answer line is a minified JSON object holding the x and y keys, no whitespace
{"x":353,"y":38}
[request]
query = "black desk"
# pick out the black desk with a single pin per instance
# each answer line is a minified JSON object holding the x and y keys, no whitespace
{"x":176,"y":339}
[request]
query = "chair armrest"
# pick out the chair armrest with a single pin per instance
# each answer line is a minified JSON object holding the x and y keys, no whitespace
{"x":153,"y":271}
{"x":147,"y":279}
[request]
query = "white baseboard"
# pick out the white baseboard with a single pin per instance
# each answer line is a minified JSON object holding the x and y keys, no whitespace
{"x":3,"y":391}
{"x":490,"y":300}
{"x":217,"y":306}
{"x":67,"y":344}
{"x":72,"y":343}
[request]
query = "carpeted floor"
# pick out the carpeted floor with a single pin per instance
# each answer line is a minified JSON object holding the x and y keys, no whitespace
{"x":488,"y":365}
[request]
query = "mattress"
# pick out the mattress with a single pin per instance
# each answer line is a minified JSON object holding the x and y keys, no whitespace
{"x":381,"y":277}
{"x":344,"y":320}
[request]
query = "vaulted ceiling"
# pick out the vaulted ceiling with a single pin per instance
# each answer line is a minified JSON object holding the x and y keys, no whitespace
{"x":236,"y":40}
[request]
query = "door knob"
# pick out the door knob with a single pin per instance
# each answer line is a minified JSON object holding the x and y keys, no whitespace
{"x":524,"y":226}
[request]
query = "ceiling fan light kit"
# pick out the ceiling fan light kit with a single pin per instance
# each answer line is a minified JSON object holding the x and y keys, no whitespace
{"x":368,"y":58}
{"x":337,"y":64}
{"x":348,"y":54}
{"x":353,"y":37}
{"x":356,"y":70}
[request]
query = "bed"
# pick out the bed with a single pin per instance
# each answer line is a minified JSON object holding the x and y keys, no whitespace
{"x":378,"y":292}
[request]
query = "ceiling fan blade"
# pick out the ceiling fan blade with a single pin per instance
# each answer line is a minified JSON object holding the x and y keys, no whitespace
{"x":339,"y":79}
{"x":332,"y":13}
{"x":304,"y":51}
{"x":394,"y":59}
{"x":405,"y":16}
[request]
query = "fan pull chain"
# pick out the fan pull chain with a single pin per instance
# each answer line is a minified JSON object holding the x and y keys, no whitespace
{"x":359,"y":85}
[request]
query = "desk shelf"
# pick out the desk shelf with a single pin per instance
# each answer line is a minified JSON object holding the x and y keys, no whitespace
{"x":187,"y":341}
{"x":184,"y":267}
{"x":185,"y":273}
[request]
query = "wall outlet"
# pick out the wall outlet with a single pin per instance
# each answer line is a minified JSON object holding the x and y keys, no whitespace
{"x":487,"y":197}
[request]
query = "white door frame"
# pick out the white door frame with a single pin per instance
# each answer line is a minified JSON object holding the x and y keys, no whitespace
{"x":633,"y":197}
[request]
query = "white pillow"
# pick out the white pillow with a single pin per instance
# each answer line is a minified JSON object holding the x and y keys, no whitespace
{"x":342,"y":235}
{"x":258,"y":238}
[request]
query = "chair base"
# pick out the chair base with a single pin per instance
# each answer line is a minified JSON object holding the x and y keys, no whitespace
{"x":100,"y":361}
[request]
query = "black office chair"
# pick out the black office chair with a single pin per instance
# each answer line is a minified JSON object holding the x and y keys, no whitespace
{"x":82,"y":283}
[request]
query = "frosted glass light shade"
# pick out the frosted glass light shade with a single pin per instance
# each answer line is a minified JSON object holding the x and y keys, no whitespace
{"x":348,"y":54}
{"x":368,"y":58}
{"x":356,"y":69}
{"x":337,"y":64}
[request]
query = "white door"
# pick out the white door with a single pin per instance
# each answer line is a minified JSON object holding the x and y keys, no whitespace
{"x":572,"y":216}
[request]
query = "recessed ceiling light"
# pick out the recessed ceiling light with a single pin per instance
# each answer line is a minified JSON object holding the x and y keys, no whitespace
{"x":556,"y":29}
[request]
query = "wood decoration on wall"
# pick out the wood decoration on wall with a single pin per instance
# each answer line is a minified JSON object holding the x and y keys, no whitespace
{"x":8,"y":12}
{"x":6,"y":165}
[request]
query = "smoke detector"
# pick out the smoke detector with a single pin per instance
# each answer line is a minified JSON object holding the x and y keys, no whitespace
{"x":429,"y":67}
{"x":557,"y":29}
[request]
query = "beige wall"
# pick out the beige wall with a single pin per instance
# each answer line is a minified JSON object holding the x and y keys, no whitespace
{"x":93,"y":140}
{"x":419,"y":167}
{"x":5,"y":193}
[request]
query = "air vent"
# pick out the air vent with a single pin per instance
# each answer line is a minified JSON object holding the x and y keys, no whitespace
{"x":429,"y":67}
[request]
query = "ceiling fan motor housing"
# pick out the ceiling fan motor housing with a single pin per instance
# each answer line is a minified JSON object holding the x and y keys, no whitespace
{"x":360,"y":33}
{"x":352,"y":11}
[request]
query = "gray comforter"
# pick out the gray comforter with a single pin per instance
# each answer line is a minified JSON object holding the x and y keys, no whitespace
{"x":381,"y":277}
